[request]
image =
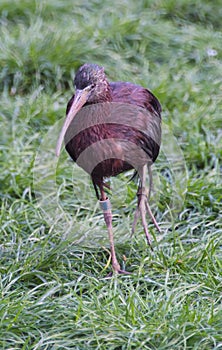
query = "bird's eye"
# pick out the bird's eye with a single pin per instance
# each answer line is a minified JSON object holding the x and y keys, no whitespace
{"x":89,"y":87}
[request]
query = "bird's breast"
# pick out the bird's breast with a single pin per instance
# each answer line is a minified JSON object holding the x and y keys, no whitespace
{"x":106,"y":150}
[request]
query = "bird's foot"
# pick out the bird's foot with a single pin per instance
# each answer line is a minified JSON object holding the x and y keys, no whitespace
{"x":118,"y":272}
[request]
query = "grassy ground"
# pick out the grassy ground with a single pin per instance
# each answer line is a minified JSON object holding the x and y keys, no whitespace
{"x":53,"y":292}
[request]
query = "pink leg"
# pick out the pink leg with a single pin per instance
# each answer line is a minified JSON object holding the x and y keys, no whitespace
{"x":105,"y":205}
{"x":143,"y":205}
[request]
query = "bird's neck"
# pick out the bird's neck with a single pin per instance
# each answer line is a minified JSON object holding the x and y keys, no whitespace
{"x":107,"y":94}
{"x":103,"y":94}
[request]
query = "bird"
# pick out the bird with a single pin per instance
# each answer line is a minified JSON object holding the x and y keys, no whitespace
{"x":110,"y":128}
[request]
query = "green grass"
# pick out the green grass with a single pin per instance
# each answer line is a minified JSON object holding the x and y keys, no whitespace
{"x":54,"y":294}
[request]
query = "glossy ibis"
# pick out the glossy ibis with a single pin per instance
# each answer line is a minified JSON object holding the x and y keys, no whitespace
{"x":119,"y":123}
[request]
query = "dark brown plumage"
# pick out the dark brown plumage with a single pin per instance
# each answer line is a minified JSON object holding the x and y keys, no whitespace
{"x":118,"y":129}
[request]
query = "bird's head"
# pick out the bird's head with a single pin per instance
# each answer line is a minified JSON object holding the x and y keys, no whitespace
{"x":91,"y":86}
{"x":92,"y":78}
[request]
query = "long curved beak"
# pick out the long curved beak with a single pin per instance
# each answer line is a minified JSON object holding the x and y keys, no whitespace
{"x":79,"y":100}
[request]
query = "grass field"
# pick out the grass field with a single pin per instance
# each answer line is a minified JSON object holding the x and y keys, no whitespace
{"x":54,"y":294}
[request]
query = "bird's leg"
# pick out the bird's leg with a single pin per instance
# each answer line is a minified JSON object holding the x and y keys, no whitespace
{"x":137,"y":213}
{"x":152,"y":216}
{"x":105,"y":205}
{"x":142,"y":200}
{"x":136,"y":217}
{"x":150,"y":174}
{"x":144,"y":195}
{"x":147,"y":202}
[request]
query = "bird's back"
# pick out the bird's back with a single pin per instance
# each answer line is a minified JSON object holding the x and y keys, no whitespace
{"x":136,"y":95}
